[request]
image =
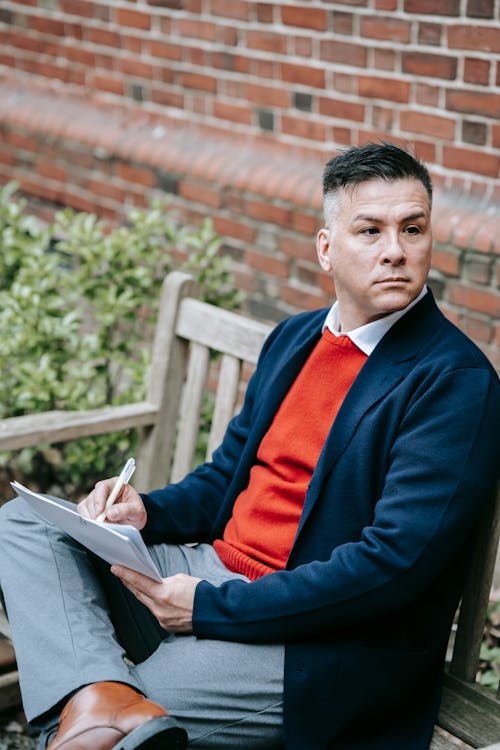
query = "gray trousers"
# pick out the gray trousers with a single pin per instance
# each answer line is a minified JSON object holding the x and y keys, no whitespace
{"x":225,"y":694}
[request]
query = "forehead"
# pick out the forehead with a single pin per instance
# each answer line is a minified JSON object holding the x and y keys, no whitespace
{"x":382,"y":197}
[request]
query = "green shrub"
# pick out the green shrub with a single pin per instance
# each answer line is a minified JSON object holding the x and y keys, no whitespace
{"x":79,"y":303}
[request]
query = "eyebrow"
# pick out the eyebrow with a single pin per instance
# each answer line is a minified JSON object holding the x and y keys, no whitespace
{"x":375,"y":220}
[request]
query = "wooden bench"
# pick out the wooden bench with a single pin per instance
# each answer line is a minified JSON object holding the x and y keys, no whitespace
{"x":186,"y":333}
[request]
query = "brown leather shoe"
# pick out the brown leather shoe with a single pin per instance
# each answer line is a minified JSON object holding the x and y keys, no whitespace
{"x":113,"y":716}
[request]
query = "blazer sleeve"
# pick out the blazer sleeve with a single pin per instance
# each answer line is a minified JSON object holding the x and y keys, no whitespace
{"x":442,"y":466}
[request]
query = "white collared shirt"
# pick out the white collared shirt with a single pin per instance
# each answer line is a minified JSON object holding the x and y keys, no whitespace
{"x":366,"y":337}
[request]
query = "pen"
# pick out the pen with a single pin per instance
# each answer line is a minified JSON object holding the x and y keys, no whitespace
{"x":125,"y":475}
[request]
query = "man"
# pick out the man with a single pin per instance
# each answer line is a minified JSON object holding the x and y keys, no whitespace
{"x":335,"y":524}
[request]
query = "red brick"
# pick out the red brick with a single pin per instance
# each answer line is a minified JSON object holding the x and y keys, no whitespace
{"x":196,"y":29}
{"x":268,"y":212}
{"x":230,"y":9}
{"x":103,"y":36}
{"x":133,"y":67}
{"x":303,"y":74}
{"x":342,"y":136}
{"x":233,"y":113}
{"x":85,"y":9}
{"x":477,"y":38}
{"x":481,"y":8}
{"x":430,"y":33}
{"x":383,"y":117}
{"x":419,"y":122}
{"x":477,"y":71}
{"x":473,"y":102}
{"x":199,"y":192}
{"x":297,"y":247}
{"x":7,"y":156}
{"x":270,"y":265}
{"x":23,"y":141}
{"x":265,"y":12}
{"x":107,"y":189}
{"x":135,"y":175}
{"x":230,"y":61}
{"x":427,"y":94}
{"x":229,"y":227}
{"x":478,"y":269}
{"x":304,"y":17}
{"x":199,"y":81}
{"x":343,"y":23}
{"x":433,"y":66}
{"x":266,"y":40}
{"x":302,"y":299}
{"x":303,"y":128}
{"x":133,"y":18}
{"x":383,"y":88}
{"x":386,"y":28}
{"x":165,"y":50}
{"x":302,"y":46}
{"x":384,"y":59}
{"x":487,"y":239}
{"x":47,"y":25}
{"x":386,"y":4}
{"x":342,"y":110}
{"x":76,"y":54}
{"x":479,"y":300}
{"x":479,"y":329}
{"x":428,"y":7}
{"x":103,"y":82}
{"x":446,"y":261}
{"x":167,"y":98}
{"x":471,"y":161}
{"x":307,"y":224}
{"x":466,"y":230}
{"x":50,"y":171}
{"x":495,"y":135}
{"x":347,"y":53}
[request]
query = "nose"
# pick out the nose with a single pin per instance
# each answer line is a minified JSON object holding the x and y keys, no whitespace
{"x":393,"y":252}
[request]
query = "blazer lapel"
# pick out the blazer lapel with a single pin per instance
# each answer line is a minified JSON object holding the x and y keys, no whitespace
{"x":383,"y":370}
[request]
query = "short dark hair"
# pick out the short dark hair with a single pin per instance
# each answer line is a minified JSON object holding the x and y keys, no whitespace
{"x":382,"y":161}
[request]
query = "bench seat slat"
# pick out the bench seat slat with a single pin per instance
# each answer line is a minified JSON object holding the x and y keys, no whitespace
{"x":469,"y":712}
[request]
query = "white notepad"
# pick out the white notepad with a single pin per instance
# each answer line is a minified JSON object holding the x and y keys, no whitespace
{"x":115,"y":543}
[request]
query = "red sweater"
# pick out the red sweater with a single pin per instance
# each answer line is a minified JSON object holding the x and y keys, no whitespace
{"x":259,"y":536}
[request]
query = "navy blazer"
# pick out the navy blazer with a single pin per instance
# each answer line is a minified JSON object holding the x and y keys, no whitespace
{"x":365,"y":604}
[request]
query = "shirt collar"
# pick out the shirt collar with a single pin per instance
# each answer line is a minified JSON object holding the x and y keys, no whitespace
{"x":366,"y":337}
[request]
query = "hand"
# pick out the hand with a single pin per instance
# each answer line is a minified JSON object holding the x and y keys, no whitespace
{"x":128,"y":507}
{"x":170,"y":601}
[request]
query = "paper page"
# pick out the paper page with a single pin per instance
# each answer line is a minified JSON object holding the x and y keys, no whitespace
{"x":118,"y":544}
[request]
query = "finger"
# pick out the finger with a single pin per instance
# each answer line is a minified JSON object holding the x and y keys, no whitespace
{"x":83,"y":507}
{"x":133,"y":578}
{"x":123,"y":512}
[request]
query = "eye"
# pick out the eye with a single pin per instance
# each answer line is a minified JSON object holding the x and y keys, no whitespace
{"x":413,"y":229}
{"x":370,"y":231}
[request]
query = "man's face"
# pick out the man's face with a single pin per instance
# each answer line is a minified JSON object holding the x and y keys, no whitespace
{"x":378,"y":248}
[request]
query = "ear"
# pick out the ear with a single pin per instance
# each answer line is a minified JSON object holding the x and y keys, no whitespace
{"x":323,"y":249}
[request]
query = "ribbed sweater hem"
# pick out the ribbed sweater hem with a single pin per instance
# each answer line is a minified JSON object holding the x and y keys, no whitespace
{"x":237,"y":562}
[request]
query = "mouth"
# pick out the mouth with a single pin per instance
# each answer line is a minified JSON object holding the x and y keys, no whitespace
{"x":394,"y":280}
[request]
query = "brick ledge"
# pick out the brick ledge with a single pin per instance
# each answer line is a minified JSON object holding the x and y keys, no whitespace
{"x":275,"y":173}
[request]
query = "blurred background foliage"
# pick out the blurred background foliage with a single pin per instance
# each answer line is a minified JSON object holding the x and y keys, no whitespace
{"x":78,"y":306}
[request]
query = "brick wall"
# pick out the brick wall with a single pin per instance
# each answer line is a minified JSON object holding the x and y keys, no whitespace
{"x":233,"y":107}
{"x":311,"y":75}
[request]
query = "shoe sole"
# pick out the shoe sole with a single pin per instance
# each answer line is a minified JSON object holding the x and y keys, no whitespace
{"x":163,"y":733}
